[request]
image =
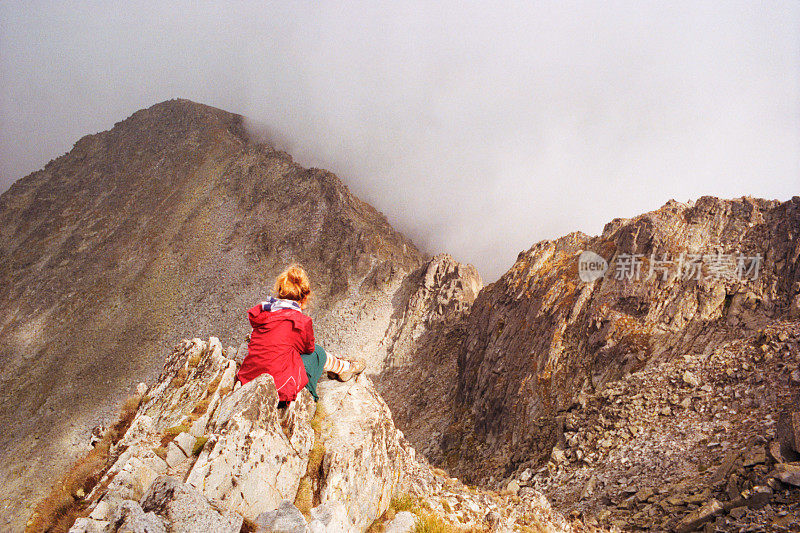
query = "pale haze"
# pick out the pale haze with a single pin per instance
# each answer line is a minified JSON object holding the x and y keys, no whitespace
{"x":477,"y":129}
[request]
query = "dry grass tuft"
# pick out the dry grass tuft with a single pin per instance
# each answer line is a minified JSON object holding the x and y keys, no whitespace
{"x":171,"y":433}
{"x":248,"y":526}
{"x":403,"y":502}
{"x":427,"y":520}
{"x":194,"y":360}
{"x":63,"y":504}
{"x":200,"y":409}
{"x":304,"y":500}
{"x":431,"y":523}
{"x":212,"y":387}
{"x":400,"y":502}
{"x":199,"y":444}
{"x":180,"y":378}
{"x":306,"y":493}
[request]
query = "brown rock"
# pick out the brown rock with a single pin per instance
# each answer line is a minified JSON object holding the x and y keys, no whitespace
{"x":738,"y":512}
{"x":725,"y":467}
{"x":758,"y":496}
{"x":755,"y":456}
{"x":691,"y":379}
{"x":789,"y":430}
{"x":789,"y":473}
{"x":779,"y":454}
{"x":699,"y":517}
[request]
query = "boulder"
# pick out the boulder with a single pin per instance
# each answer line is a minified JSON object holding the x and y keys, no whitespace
{"x":132,"y":480}
{"x":697,"y":518}
{"x":186,"y":510}
{"x":788,"y":473}
{"x":258,"y":455}
{"x":285,"y":519}
{"x":196,"y":371}
{"x":185,"y":442}
{"x":691,"y":379}
{"x":175,"y":455}
{"x":367,"y":460}
{"x":789,"y":430}
{"x":129,"y":517}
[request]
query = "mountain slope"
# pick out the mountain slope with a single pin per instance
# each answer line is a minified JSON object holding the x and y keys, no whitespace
{"x":172,"y":222}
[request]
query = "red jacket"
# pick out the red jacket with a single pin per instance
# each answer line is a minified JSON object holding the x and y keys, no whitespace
{"x":278,"y":339}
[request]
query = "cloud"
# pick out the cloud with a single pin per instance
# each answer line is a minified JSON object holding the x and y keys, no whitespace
{"x":477,"y":130}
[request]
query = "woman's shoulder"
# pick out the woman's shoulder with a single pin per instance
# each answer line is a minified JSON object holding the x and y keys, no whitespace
{"x":295,"y":315}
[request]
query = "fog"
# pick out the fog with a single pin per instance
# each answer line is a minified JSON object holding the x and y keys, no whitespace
{"x":478,"y":130}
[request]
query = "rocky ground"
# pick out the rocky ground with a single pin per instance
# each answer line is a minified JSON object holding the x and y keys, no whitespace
{"x":693,"y":437}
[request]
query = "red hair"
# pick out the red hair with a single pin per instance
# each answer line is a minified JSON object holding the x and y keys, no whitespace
{"x":293,"y":284}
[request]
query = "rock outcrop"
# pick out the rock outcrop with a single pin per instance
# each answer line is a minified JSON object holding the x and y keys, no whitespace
{"x":424,"y":339}
{"x":203,"y":455}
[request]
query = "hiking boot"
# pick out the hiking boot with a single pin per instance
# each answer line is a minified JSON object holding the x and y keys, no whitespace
{"x":357,"y":366}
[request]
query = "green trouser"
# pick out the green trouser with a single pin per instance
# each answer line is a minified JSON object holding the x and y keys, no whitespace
{"x":314,"y":363}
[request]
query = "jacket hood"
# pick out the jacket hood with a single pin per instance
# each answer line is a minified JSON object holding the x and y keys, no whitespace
{"x":259,"y":317}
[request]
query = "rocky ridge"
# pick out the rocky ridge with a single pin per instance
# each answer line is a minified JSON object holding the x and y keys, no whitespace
{"x":203,"y":455}
{"x":175,"y":221}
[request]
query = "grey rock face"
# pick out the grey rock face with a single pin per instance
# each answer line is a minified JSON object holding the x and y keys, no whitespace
{"x":438,"y":292}
{"x":129,"y":517}
{"x":186,"y":509}
{"x":285,"y":519}
{"x":424,"y":340}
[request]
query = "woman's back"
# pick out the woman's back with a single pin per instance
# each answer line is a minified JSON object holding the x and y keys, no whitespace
{"x":280,"y":334}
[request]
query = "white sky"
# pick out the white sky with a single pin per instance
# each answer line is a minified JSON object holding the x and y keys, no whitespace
{"x":477,"y":130}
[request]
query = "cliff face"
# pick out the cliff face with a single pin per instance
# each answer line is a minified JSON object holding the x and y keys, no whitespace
{"x":172,"y":223}
{"x":540,"y":335}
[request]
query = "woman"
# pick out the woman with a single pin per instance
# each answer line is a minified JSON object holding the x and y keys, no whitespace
{"x":282,"y":341}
